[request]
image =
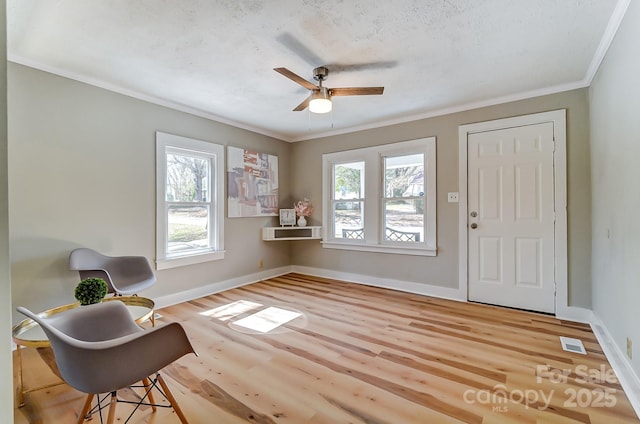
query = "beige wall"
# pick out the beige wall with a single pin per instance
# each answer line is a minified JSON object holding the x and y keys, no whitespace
{"x":82,"y":173}
{"x":6,"y":370}
{"x":443,"y":270}
{"x":615,"y":146}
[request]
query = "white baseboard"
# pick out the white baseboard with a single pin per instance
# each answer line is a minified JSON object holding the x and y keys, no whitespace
{"x":387,"y":283}
{"x":573,"y":313}
{"x":220,"y":286}
{"x":624,"y":371}
{"x":217,"y":287}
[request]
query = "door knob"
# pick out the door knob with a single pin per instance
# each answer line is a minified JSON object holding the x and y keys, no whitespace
{"x":474,"y":225}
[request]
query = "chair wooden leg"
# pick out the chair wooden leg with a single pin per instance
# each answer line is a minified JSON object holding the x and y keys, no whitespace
{"x":20,"y":381}
{"x":85,"y":408}
{"x":112,"y":408}
{"x":172,"y":400}
{"x":146,"y":384}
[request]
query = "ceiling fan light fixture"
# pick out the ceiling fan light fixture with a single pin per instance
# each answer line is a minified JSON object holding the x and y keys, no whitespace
{"x":320,"y":101}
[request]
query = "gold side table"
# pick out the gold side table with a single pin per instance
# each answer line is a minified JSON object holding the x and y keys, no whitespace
{"x":28,"y":333}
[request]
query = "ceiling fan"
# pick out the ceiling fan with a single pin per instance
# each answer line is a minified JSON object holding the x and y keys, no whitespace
{"x":319,"y":101}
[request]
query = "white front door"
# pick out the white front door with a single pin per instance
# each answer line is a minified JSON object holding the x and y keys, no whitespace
{"x":511,"y":217}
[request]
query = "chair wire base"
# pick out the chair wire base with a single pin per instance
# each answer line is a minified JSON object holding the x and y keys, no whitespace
{"x":106,"y":401}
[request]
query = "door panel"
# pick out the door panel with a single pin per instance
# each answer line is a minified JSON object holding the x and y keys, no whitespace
{"x":490,"y":259}
{"x":510,"y":192}
{"x":528,"y":262}
{"x":528,"y":192}
{"x":490,"y":193}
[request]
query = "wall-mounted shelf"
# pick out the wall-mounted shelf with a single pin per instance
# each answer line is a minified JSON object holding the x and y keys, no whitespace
{"x":291,"y":233}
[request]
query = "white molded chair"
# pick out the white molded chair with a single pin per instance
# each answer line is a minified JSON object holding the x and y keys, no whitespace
{"x":100,"y":349}
{"x":125,"y":275}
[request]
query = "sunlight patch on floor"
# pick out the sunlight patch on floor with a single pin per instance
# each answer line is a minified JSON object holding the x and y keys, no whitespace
{"x":226,"y":312}
{"x":268,"y":319}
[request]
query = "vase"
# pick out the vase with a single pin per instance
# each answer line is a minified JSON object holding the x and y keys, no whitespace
{"x":302,"y":222}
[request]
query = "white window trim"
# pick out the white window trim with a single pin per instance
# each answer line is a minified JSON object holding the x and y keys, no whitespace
{"x":163,"y":260}
{"x":372,"y":156}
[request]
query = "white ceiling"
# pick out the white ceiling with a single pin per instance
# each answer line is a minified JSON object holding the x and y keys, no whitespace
{"x":215,"y":57}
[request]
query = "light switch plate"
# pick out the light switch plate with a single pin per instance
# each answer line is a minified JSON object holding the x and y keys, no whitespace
{"x":452,"y":197}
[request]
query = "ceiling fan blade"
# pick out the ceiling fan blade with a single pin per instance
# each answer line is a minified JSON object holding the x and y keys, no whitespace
{"x":296,"y":78}
{"x":303,"y":105}
{"x":356,"y":91}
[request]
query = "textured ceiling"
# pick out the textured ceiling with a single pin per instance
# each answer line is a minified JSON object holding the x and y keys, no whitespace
{"x":216,"y":58}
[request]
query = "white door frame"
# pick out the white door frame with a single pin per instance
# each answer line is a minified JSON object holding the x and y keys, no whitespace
{"x":558,"y":118}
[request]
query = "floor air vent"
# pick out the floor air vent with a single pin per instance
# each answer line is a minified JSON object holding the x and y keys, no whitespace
{"x":572,"y":345}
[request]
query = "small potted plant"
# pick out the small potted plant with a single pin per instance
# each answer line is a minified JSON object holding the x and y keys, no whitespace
{"x":91,"y":290}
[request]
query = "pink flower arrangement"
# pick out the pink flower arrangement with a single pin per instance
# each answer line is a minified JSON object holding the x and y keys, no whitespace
{"x":303,"y":207}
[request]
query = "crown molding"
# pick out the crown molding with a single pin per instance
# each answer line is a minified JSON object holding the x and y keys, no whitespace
{"x":139,"y":96}
{"x":607,"y":38}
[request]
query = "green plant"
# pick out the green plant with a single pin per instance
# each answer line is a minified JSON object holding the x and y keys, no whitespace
{"x":91,"y":290}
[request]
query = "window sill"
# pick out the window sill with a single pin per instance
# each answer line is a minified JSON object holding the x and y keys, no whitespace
{"x":378,"y":248}
{"x":196,"y":258}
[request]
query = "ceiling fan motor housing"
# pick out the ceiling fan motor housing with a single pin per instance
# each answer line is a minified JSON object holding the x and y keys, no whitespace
{"x":320,"y":74}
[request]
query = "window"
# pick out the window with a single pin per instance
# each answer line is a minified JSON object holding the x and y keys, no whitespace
{"x":348,"y":200}
{"x":190,"y":213}
{"x":382,"y":198}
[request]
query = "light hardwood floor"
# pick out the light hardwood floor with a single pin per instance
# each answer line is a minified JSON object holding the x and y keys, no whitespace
{"x":360,"y":354}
